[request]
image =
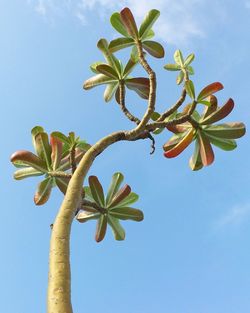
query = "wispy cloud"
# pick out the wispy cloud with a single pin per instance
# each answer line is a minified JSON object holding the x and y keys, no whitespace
{"x":180,"y":21}
{"x":234,"y":217}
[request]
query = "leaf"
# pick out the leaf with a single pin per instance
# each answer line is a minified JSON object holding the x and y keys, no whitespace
{"x":128,"y":21}
{"x":189,"y":59}
{"x":220,"y":113}
{"x":107,"y":70}
{"x":140,"y":85}
{"x":120,"y":43}
{"x":150,"y":34}
{"x":227,"y":130}
{"x":116,"y":227}
{"x":84,"y":216}
{"x":181,"y":145}
{"x":43,"y":147}
{"x":180,"y":78}
{"x":109,"y":91}
{"x":179,"y":58}
{"x":117,"y":23}
{"x":209,"y":90}
{"x":211,"y":108}
{"x":195,"y":162}
{"x":172,"y":67}
{"x":154,"y":48}
{"x":120,"y":195}
{"x":97,"y":80}
{"x":96,"y":190}
{"x":56,"y":152}
{"x":224,"y":144}
{"x":27,"y":158}
{"x":129,"y":67}
{"x":115,"y":184}
{"x":190,"y":70}
{"x":189,"y":86}
{"x":110,"y":58}
{"x":94,"y":65}
{"x":126,"y":213}
{"x":148,"y":22}
{"x":61,"y":137}
{"x":43,"y":191}
{"x":34,"y":131}
{"x":88,"y":195}
{"x":101,"y":227}
{"x":62,"y":183}
{"x":130,"y":199}
{"x":206,"y":150}
{"x":26,"y":172}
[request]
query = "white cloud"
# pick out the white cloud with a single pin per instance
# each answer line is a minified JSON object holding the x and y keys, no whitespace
{"x":180,"y":20}
{"x":235,"y":216}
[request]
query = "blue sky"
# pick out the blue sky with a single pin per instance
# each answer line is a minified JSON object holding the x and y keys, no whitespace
{"x":190,"y":254}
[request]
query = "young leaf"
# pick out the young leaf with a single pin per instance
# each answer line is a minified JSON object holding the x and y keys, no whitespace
{"x":181,"y":145}
{"x":154,"y":48}
{"x":209,"y":90}
{"x":148,"y":22}
{"x":126,"y":213}
{"x":35,"y":130}
{"x":43,"y":191}
{"x":116,"y":181}
{"x":101,"y":227}
{"x":26,"y":172}
{"x":61,"y":137}
{"x":189,"y":85}
{"x":118,"y":25}
{"x":129,"y":22}
{"x":149,"y":35}
{"x":96,"y":190}
{"x":206,"y":150}
{"x":97,"y":80}
{"x":120,"y":195}
{"x":43,"y":147}
{"x":109,"y":91}
{"x":179,"y":58}
{"x":172,"y":67}
{"x":180,"y":78}
{"x":120,"y":43}
{"x":189,"y":59}
{"x":117,"y":229}
{"x":129,"y":67}
{"x":220,"y":113}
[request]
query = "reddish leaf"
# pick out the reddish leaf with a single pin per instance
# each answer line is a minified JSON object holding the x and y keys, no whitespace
{"x":120,"y":195}
{"x":26,"y":158}
{"x":154,"y":48}
{"x":181,"y":145}
{"x":139,"y":85}
{"x":211,"y":108}
{"x":56,"y":153}
{"x":43,"y":191}
{"x":101,"y":227}
{"x":96,"y":190}
{"x":209,"y":90}
{"x":129,"y":22}
{"x":206,"y":150}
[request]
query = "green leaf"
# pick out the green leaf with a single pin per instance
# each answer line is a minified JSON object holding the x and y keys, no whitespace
{"x":120,"y":196}
{"x":118,"y":25}
{"x":61,"y":137}
{"x":43,"y":147}
{"x":172,"y":67}
{"x":128,"y":21}
{"x":101,"y":227}
{"x":180,"y":146}
{"x":220,"y":113}
{"x":116,"y":227}
{"x":154,"y":48}
{"x":62,"y":183}
{"x":56,"y":152}
{"x":180,"y":78}
{"x":84,"y":216}
{"x":209,"y":90}
{"x":179,"y":58}
{"x":211,"y":108}
{"x":115,"y":184}
{"x":130,"y":199}
{"x":120,"y":43}
{"x":35,"y":130}
{"x":206,"y":150}
{"x":126,"y":213}
{"x":140,"y":85}
{"x":148,"y":22}
{"x":27,"y":172}
{"x":224,"y":144}
{"x":96,"y":190}
{"x":149,"y":35}
{"x":110,"y":91}
{"x":94,"y":65}
{"x":189,"y":86}
{"x":190,"y":70}
{"x":107,"y":70}
{"x":155,"y":116}
{"x":65,"y":162}
{"x":27,"y":158}
{"x":227,"y":130}
{"x":88,"y":195}
{"x":129,"y":67}
{"x":97,"y":80}
{"x":189,"y":59}
{"x":110,"y":58}
{"x":195,"y":162}
{"x":43,"y":191}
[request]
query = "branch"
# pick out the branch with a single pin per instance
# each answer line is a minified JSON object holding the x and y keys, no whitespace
{"x":130,"y":116}
{"x":59,"y":174}
{"x":72,"y":159}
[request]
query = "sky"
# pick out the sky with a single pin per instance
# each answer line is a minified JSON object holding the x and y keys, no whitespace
{"x":191,"y":253}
